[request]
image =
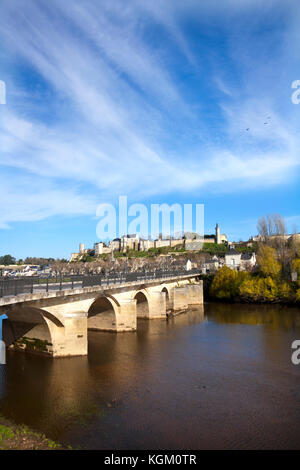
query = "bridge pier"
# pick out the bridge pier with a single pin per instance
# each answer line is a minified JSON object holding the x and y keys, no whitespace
{"x":180,"y":299}
{"x":74,"y":341}
{"x":157,"y":304}
{"x":189,"y":294}
{"x":126,"y":317}
{"x":195,"y":293}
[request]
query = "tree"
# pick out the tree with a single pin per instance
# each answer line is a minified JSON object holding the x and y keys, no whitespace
{"x":214,"y":248}
{"x":249,"y":289}
{"x":87,"y":258}
{"x":7,"y":260}
{"x":39,"y":261}
{"x":267,"y":261}
{"x":265,"y":289}
{"x":270,"y":226}
{"x":226,"y":283}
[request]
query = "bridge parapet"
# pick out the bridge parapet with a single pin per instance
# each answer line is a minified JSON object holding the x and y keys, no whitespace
{"x":35,"y":291}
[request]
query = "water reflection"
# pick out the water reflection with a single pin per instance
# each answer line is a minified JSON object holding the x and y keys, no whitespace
{"x":213,"y":378}
{"x":275,"y":316}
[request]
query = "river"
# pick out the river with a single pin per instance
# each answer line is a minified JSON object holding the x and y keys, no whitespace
{"x":213,"y":379}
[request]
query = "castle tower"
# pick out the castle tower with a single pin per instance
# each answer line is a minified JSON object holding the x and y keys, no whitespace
{"x":218,"y":236}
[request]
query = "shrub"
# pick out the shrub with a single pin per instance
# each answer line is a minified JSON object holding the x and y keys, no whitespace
{"x":226,"y":283}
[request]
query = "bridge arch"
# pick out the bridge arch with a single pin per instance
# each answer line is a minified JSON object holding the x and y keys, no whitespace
{"x":168,"y":296}
{"x":31,"y":329}
{"x":142,"y":304}
{"x":102,"y":314}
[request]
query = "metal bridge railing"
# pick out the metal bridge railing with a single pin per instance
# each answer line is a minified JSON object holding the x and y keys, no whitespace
{"x":35,"y":284}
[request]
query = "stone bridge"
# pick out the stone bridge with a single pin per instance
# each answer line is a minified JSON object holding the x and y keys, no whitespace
{"x":56,"y":322}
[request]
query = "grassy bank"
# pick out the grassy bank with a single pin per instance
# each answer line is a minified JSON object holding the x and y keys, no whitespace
{"x":20,"y":437}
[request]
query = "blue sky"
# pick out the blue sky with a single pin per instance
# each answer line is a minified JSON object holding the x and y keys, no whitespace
{"x":146,"y":99}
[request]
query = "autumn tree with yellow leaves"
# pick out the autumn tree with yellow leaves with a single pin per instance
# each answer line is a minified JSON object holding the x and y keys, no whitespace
{"x":267,"y":261}
{"x":270,"y":282}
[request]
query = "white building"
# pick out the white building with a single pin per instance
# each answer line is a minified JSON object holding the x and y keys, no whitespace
{"x":188,"y":265}
{"x":240,"y":261}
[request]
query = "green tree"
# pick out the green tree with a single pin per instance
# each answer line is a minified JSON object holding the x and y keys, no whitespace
{"x":7,"y":260}
{"x":214,"y":248}
{"x":86,"y":258}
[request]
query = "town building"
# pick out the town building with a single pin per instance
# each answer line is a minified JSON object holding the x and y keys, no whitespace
{"x":239,"y":261}
{"x":212,"y":265}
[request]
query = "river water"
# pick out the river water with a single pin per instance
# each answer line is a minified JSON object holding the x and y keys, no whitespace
{"x":212,"y":379}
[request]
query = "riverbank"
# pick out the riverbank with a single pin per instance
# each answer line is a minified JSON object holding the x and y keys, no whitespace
{"x":20,"y":437}
{"x":229,"y":285}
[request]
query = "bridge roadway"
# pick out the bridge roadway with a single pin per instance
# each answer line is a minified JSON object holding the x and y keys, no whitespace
{"x":53,"y":318}
{"x":13,"y":287}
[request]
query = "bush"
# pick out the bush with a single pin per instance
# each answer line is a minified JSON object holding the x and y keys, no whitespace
{"x":229,"y":285}
{"x":214,"y":248}
{"x":265,"y":289}
{"x":227,"y":282}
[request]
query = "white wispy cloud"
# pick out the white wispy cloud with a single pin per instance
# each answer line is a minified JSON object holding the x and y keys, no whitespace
{"x":122,"y":119}
{"x":35,"y":199}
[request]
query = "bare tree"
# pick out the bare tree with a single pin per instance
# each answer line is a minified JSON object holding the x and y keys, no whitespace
{"x":271,"y":226}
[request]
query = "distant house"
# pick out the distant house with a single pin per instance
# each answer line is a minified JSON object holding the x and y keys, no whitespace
{"x":188,"y":265}
{"x":212,"y":265}
{"x":248,"y":260}
{"x":233,"y":258}
{"x":240,"y":261}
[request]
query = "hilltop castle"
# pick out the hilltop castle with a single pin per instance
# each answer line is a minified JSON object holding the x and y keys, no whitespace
{"x":191,"y":241}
